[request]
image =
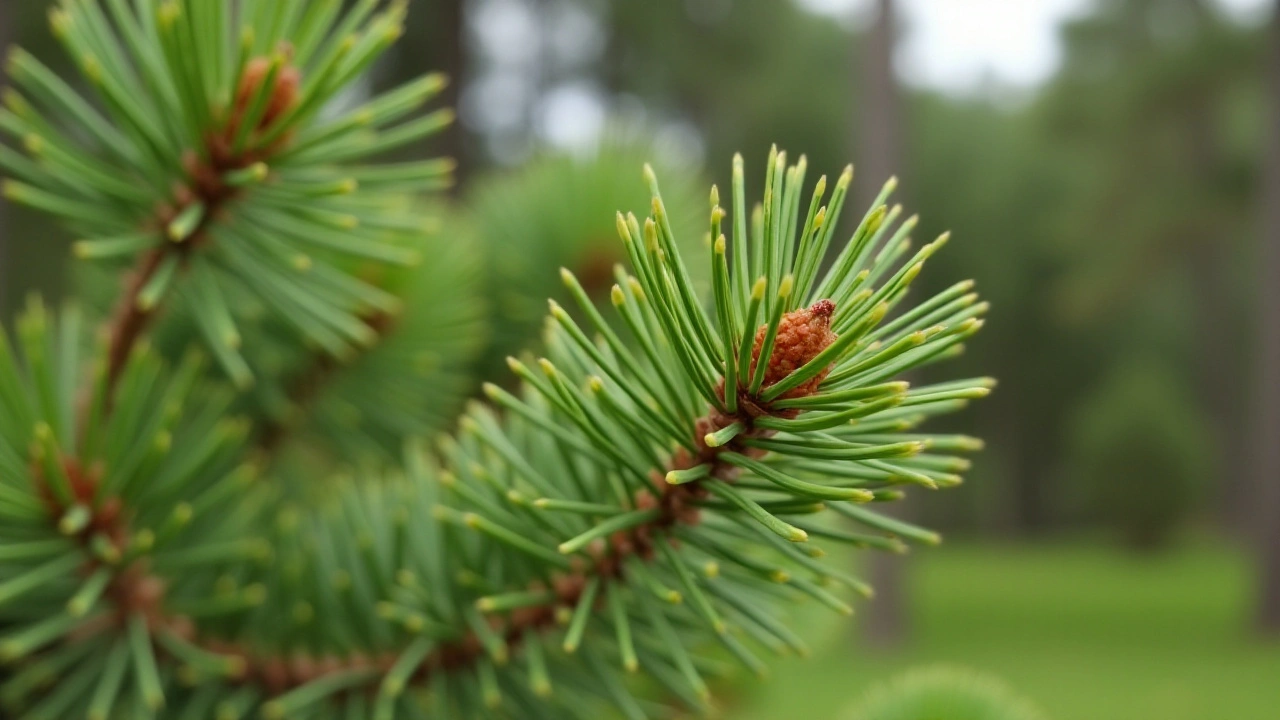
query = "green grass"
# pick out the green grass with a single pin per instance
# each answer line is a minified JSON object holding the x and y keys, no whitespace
{"x":1086,"y":632}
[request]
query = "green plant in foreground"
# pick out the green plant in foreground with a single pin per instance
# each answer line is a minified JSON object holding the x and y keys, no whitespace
{"x":944,"y":693}
{"x":649,"y":491}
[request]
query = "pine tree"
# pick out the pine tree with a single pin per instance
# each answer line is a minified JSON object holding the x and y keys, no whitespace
{"x":641,"y":497}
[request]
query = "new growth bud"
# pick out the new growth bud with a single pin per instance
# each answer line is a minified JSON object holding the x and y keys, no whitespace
{"x":802,"y":334}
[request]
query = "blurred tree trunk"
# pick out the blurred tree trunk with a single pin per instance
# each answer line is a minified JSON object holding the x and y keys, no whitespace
{"x":453,"y":61}
{"x":435,"y":41}
{"x":1267,"y":437}
{"x":879,"y":143}
{"x":1219,"y":370}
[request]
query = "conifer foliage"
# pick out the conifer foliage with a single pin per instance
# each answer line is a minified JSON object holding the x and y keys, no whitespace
{"x":944,"y":692}
{"x":643,"y":501}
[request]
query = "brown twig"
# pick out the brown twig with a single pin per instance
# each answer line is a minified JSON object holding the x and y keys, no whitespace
{"x":129,"y":319}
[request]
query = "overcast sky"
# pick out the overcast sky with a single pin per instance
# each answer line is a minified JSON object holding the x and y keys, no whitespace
{"x":956,"y":44}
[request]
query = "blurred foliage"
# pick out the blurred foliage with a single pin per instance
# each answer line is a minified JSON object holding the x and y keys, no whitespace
{"x":944,"y":693}
{"x":329,"y":411}
{"x":1155,"y":119}
{"x":1086,"y":632}
{"x":558,"y":211}
{"x":745,"y":72}
{"x":1142,"y":451}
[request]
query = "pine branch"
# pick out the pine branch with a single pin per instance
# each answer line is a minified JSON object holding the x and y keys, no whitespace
{"x":677,"y":504}
{"x":219,"y":178}
{"x":652,"y":494}
{"x":790,"y":359}
{"x":642,"y":529}
{"x":211,"y":166}
{"x":717,"y":531}
{"x":206,"y":191}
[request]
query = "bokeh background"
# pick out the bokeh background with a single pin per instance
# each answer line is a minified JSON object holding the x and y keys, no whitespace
{"x":1110,"y":170}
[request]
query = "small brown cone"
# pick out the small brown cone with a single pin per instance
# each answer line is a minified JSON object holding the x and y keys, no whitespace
{"x":802,"y":334}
